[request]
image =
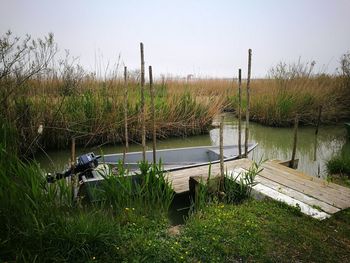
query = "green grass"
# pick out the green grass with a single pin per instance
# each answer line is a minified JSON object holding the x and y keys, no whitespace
{"x":40,"y":223}
{"x":339,"y":164}
{"x":264,"y":231}
{"x":44,"y":226}
{"x":148,"y":192}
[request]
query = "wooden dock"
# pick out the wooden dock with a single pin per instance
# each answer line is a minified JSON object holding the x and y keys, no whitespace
{"x":315,"y":197}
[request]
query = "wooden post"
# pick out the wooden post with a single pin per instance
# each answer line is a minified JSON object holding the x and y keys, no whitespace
{"x":72,"y":158}
{"x":248,"y":103}
{"x":318,"y":119}
{"x":222,"y":146}
{"x":154,"y":134}
{"x":295,"y":141}
{"x":239,"y":113}
{"x":316,"y":131}
{"x":74,"y":180}
{"x":143,"y":128}
{"x":126,"y":112}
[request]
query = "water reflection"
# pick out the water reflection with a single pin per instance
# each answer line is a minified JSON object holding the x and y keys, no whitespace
{"x":274,"y":143}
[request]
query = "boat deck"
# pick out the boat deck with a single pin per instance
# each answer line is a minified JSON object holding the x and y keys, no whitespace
{"x":315,"y":197}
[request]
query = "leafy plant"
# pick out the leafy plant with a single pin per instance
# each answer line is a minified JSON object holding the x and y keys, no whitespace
{"x":239,"y":188}
{"x":146,"y":191}
{"x":339,"y":164}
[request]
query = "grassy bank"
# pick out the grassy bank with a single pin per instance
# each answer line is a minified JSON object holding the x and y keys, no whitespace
{"x":41,"y":223}
{"x":265,"y":231}
{"x":338,"y":167}
{"x":339,"y":164}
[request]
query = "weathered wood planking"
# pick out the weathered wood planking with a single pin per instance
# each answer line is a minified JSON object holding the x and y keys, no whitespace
{"x":261,"y":191}
{"x":281,"y":183}
{"x":316,"y":190}
{"x":180,"y":179}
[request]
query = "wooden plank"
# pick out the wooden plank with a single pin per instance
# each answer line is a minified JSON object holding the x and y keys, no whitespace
{"x":321,"y":185}
{"x":179,"y":179}
{"x":343,"y":189}
{"x":304,"y":188}
{"x":297,"y":195}
{"x":310,"y":190}
{"x":266,"y":191}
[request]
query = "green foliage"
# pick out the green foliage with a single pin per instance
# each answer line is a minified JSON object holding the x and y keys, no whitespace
{"x":229,"y":189}
{"x":147,"y":192}
{"x":339,"y":164}
{"x":237,"y":189}
{"x":40,"y":224}
{"x":264,"y":231}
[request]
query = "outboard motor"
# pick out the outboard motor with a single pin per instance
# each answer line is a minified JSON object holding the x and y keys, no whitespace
{"x":84,"y":163}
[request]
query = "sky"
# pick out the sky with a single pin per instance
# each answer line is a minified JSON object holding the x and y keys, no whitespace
{"x":181,"y":37}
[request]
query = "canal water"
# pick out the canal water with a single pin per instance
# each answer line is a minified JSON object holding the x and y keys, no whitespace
{"x":274,"y":143}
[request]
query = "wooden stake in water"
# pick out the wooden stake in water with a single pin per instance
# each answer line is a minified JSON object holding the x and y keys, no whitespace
{"x":248,"y":103}
{"x":239,"y":113}
{"x":154,"y":134}
{"x":143,"y":128}
{"x":222,"y":146}
{"x":126,"y":112}
{"x":295,"y":141}
{"x":316,"y":131}
{"x":72,"y":158}
{"x":74,"y":180}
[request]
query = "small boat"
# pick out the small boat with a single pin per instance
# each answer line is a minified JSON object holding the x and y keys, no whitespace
{"x":92,"y":169}
{"x":179,"y":158}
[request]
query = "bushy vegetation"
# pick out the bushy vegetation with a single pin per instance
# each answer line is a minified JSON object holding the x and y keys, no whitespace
{"x":41,"y":223}
{"x":229,"y":189}
{"x":339,"y":164}
{"x":70,"y":102}
{"x":37,"y":88}
{"x":292,"y":89}
{"x":146,"y":192}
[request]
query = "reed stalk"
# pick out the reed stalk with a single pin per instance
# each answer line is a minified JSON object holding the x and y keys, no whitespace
{"x":143,"y":117}
{"x":126,"y":137}
{"x":239,"y":113}
{"x":248,"y":104}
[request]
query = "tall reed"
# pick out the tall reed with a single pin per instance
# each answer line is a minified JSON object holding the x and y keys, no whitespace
{"x":71,"y":102}
{"x":146,"y":192}
{"x":41,"y":224}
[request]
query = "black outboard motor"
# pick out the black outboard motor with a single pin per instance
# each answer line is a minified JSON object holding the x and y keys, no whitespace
{"x":85,"y":162}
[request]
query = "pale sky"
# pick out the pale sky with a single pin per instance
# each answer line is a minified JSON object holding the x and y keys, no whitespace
{"x":206,"y":38}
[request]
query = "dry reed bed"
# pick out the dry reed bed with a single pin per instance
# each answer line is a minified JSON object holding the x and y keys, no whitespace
{"x":276,"y":101}
{"x":92,"y":110}
{"x":93,"y":113}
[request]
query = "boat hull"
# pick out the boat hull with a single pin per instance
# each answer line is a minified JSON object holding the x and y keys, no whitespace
{"x":179,"y":158}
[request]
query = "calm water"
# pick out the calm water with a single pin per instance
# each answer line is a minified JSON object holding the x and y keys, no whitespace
{"x":274,"y":143}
